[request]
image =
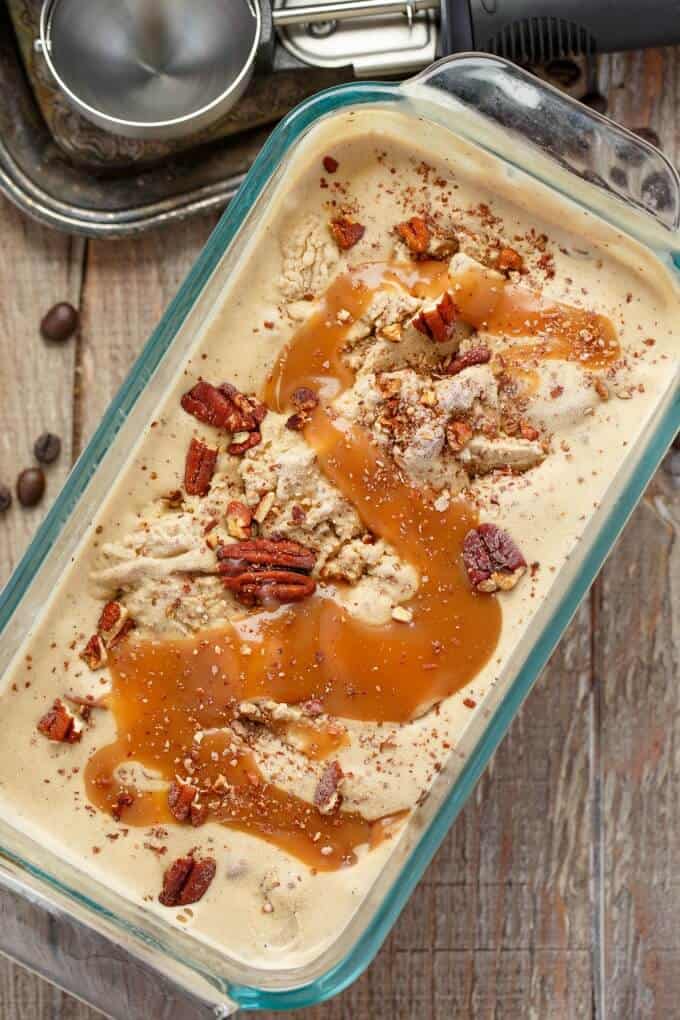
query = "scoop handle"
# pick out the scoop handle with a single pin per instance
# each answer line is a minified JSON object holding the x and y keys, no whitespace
{"x":345,"y":10}
{"x":536,"y":31}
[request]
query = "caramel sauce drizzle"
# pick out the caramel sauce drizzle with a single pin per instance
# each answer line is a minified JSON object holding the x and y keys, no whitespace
{"x":164,"y":692}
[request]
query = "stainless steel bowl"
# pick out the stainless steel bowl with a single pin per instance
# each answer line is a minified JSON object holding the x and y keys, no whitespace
{"x":151,"y":68}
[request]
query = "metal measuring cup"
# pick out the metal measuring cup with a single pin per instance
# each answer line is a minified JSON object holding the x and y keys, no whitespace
{"x":163,"y":69}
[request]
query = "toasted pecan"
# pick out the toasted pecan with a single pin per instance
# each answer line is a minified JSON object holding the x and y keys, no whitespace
{"x":437,"y":321}
{"x":265,"y":553}
{"x":199,"y":468}
{"x":186,"y":881}
{"x":94,"y":652}
{"x":327,"y":797}
{"x":508,"y":260}
{"x":492,"y":559}
{"x":346,"y":232}
{"x":415,"y":234}
{"x":59,"y":724}
{"x":180,"y":798}
{"x":259,"y":587}
{"x":475,"y":356}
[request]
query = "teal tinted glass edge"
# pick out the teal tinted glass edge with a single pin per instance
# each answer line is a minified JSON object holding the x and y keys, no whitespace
{"x":348,"y":969}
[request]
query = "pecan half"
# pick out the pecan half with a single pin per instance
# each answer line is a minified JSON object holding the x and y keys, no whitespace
{"x":59,"y":724}
{"x":94,"y":652}
{"x":224,"y":406}
{"x":180,"y":798}
{"x":327,"y":797}
{"x":199,"y":468}
{"x":437,"y":321}
{"x":258,"y":587}
{"x":509,"y":260}
{"x":346,"y":232}
{"x":475,"y":356}
{"x":415,"y":234}
{"x":186,"y":880}
{"x":266,"y":554}
{"x":492,"y":559}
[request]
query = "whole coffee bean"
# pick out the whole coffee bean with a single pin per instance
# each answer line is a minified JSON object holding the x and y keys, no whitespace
{"x":60,"y":322}
{"x":5,"y":498}
{"x":47,"y":448}
{"x":31,"y":486}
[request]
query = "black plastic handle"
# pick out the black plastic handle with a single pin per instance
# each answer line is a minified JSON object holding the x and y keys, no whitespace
{"x":534,"y":31}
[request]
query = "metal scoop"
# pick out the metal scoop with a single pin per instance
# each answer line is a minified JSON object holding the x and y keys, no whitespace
{"x":168,"y":68}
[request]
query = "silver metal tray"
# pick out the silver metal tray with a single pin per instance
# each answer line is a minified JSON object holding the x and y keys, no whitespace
{"x":38,"y":177}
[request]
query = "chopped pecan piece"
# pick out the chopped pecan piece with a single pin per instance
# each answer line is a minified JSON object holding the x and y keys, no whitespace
{"x":199,"y":468}
{"x":112,"y":620}
{"x":265,"y":554}
{"x":198,"y":814}
{"x":297,"y":422}
{"x":128,"y":625}
{"x":186,"y":880}
{"x":304,"y":399}
{"x":239,"y":448}
{"x":458,"y":433}
{"x":239,"y":520}
{"x":257,"y":587}
{"x":59,"y":724}
{"x":415,"y":234}
{"x":173,"y":500}
{"x":327,"y":797}
{"x":528,"y":431}
{"x":224,"y":406}
{"x":94,"y":652}
{"x":475,"y":356}
{"x":180,"y":798}
{"x":330,"y":165}
{"x":124,"y":800}
{"x":509,"y":260}
{"x":346,"y":232}
{"x":437,"y":322}
{"x":492,"y":559}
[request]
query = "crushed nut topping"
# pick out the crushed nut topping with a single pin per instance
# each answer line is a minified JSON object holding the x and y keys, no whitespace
{"x":327,"y":797}
{"x":199,"y":468}
{"x":186,"y":881}
{"x":346,"y":232}
{"x":224,"y":406}
{"x":304,"y":400}
{"x":492,"y":559}
{"x":59,"y":724}
{"x":437,"y":322}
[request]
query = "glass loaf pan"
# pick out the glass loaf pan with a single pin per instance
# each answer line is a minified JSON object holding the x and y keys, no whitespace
{"x":534,"y":130}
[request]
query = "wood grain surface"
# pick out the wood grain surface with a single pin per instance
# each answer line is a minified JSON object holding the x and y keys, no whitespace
{"x":557,"y":893}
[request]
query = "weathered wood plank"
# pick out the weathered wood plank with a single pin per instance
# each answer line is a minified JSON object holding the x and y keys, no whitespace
{"x":637,"y":665}
{"x":38,"y":267}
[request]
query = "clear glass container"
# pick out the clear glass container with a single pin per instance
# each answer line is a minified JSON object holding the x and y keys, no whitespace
{"x":69,"y":927}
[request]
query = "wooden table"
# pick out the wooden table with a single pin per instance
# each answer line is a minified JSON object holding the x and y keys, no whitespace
{"x":557,"y":894}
